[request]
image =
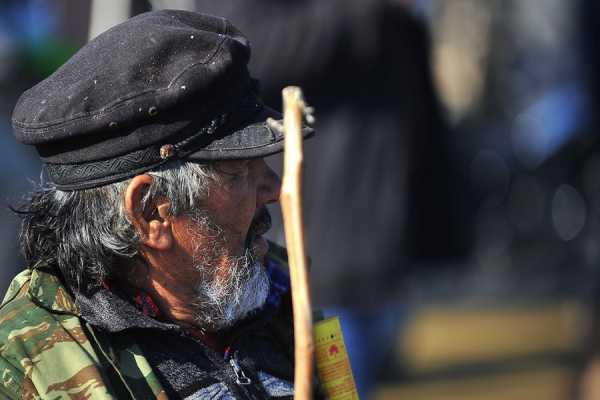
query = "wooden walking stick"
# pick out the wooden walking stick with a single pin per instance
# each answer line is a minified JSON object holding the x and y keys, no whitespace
{"x":291,"y":202}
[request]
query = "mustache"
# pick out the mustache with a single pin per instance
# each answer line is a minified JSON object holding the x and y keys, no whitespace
{"x":261,"y":222}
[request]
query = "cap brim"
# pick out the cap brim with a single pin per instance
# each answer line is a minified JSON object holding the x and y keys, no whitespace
{"x":255,"y":139}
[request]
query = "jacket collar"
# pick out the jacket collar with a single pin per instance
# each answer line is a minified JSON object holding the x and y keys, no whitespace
{"x":104,"y":308}
{"x":107,"y":310}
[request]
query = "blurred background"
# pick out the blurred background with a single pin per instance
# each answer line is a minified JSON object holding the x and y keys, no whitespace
{"x":452,"y":192}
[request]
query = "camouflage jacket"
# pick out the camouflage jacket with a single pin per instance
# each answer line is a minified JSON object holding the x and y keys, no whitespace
{"x":47,"y":351}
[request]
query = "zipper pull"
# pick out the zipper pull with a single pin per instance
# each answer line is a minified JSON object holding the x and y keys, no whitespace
{"x":241,"y":378}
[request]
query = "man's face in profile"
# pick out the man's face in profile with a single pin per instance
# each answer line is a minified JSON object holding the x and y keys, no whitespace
{"x":225,"y":245}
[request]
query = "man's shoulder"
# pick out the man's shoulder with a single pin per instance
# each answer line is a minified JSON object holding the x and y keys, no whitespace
{"x":27,"y":328}
{"x":13,"y":308}
{"x":16,"y":287}
{"x":23,"y":314}
{"x":18,"y":311}
{"x":20,"y":321}
{"x":39,"y":344}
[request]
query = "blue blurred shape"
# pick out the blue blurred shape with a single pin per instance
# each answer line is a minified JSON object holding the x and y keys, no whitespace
{"x":29,"y":21}
{"x":548,"y":124}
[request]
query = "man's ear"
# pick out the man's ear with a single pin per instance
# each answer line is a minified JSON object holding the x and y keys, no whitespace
{"x":153,"y":228}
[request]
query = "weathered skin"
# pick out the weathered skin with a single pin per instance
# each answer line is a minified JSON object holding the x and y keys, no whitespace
{"x":45,"y":352}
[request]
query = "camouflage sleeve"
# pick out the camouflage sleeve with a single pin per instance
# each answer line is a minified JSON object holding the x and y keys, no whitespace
{"x":11,"y":379}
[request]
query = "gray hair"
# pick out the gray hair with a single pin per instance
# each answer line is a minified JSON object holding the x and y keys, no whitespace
{"x":85,"y":234}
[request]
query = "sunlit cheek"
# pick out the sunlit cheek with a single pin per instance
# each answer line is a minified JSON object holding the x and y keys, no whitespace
{"x":240,"y":217}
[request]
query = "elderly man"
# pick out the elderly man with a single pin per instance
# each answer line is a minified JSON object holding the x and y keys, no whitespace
{"x":147,"y":273}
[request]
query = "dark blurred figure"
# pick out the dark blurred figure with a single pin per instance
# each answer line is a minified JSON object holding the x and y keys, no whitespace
{"x":590,"y":177}
{"x":378,"y":195}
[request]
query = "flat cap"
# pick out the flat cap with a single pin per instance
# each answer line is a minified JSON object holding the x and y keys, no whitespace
{"x":160,"y":86}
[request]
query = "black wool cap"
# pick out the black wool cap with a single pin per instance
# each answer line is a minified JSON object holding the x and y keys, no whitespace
{"x":161,"y":86}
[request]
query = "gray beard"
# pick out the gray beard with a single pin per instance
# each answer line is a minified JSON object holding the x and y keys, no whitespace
{"x":221,"y":302}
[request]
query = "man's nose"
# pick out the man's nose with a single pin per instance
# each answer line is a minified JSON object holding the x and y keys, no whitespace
{"x":269,"y":186}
